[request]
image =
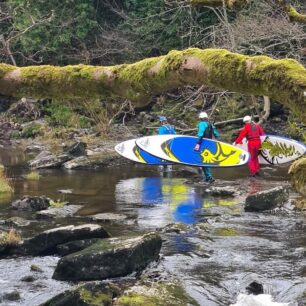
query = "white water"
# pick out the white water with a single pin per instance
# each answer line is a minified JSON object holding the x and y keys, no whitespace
{"x":258,"y":300}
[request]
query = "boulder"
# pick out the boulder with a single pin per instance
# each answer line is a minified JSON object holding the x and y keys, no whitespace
{"x":76,"y":150}
{"x":31,"y":203}
{"x":77,"y":163}
{"x":49,"y":161}
{"x":16,"y":221}
{"x":93,"y":293}
{"x":109,"y":258}
{"x":267,"y":200}
{"x":75,"y":246}
{"x":45,"y":243}
{"x":225,"y":191}
{"x":58,"y":212}
{"x":108,"y":217}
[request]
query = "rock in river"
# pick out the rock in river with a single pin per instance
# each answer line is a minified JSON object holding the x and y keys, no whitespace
{"x":108,"y":258}
{"x":267,"y":200}
{"x":93,"y":293}
{"x":46,"y":242}
{"x":31,"y":203}
{"x":58,"y":212}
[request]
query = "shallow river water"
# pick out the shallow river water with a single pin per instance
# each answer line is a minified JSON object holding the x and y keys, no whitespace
{"x":214,"y":269}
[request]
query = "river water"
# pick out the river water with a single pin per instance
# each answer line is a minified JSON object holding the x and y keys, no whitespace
{"x":214,"y":266}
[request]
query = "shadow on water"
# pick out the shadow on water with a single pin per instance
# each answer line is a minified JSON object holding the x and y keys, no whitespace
{"x":215,"y":267}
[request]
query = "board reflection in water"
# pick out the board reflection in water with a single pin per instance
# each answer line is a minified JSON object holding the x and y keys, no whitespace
{"x":159,"y":200}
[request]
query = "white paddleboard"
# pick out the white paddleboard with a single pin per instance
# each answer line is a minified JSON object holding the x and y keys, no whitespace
{"x":180,"y":149}
{"x":129,"y":150}
{"x":292,"y":150}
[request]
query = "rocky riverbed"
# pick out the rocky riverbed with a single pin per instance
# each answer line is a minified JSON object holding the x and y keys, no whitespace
{"x":140,"y":237}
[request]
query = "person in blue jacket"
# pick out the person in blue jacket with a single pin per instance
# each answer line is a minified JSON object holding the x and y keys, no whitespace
{"x":206,"y":130}
{"x":165,"y":129}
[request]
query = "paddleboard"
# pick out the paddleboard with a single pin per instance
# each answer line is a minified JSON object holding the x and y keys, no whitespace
{"x":180,"y":149}
{"x":277,"y":150}
{"x":129,"y":150}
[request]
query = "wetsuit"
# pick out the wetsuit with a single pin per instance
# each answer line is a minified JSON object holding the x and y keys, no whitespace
{"x":252,"y":132}
{"x":206,"y":130}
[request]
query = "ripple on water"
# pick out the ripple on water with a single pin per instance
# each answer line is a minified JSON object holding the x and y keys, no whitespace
{"x":12,"y":271}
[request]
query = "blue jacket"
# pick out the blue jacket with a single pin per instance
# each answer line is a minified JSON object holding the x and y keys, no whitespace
{"x":203,"y":125}
{"x":166,"y":129}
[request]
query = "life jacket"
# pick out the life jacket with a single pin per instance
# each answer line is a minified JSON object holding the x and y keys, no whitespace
{"x":253,"y":132}
{"x":169,"y":128}
{"x":208,"y":133}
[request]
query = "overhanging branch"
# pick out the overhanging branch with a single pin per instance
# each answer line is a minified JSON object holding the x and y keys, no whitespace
{"x":281,"y":80}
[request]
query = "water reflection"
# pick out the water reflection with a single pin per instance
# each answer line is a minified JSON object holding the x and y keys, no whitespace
{"x":168,"y":199}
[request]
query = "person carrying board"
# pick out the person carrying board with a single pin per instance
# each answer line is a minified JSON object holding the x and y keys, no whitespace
{"x":206,"y":130}
{"x":165,"y":129}
{"x":252,"y":131}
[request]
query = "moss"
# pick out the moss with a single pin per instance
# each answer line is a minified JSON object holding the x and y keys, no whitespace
{"x":158,"y":294}
{"x":33,"y":176}
{"x":32,"y":130}
{"x":5,"y":185}
{"x":294,"y":16}
{"x":95,"y":299}
{"x":297,"y":172}
{"x":228,"y":232}
{"x":5,"y":68}
{"x":57,"y":204}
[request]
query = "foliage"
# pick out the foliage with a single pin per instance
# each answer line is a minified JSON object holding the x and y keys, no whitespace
{"x":32,"y":130}
{"x":10,"y":238}
{"x":33,"y":176}
{"x":5,"y":184}
{"x":296,"y":131}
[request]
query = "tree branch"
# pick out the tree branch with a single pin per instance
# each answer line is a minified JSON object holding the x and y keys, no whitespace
{"x":281,"y":80}
{"x":219,"y":3}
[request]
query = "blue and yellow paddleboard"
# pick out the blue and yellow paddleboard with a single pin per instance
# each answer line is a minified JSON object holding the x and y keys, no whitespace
{"x":180,"y":149}
{"x":129,"y":150}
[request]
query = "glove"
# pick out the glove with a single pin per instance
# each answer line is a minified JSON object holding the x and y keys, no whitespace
{"x":197,"y":147}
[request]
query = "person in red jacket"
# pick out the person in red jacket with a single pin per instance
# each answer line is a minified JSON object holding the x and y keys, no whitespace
{"x":252,"y":131}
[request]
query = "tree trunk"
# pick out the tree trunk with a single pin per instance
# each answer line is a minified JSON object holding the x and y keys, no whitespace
{"x":281,"y":80}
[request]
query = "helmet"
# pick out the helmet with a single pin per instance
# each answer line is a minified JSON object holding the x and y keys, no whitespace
{"x":203,"y":115}
{"x":162,"y":118}
{"x":247,"y":119}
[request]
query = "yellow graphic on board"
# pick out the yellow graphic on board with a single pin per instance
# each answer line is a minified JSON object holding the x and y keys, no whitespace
{"x":137,"y":154}
{"x":225,"y":156}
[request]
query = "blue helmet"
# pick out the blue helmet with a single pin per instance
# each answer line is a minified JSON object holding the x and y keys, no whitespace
{"x":162,"y":118}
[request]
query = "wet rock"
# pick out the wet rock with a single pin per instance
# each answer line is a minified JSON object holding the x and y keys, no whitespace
{"x":28,"y":279}
{"x":225,"y":191}
{"x":175,"y":228}
{"x":186,"y":171}
{"x":160,"y":293}
{"x":65,"y":191}
{"x":58,"y":212}
{"x":50,"y":161}
{"x":76,"y":150}
{"x":45,"y":243}
{"x":35,"y":148}
{"x":16,"y":221}
{"x":75,"y":246}
{"x":12,"y":296}
{"x":108,"y":258}
{"x":267,"y":200}
{"x":93,"y":293}
{"x":31,"y":203}
{"x":36,"y":268}
{"x":255,"y":288}
{"x":108,"y":217}
{"x":77,"y":163}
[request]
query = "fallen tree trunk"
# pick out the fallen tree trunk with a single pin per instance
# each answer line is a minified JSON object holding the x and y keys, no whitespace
{"x":281,"y":80}
{"x":293,"y":14}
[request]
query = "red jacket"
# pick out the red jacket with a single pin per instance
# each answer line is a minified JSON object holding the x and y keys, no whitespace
{"x":251,"y":131}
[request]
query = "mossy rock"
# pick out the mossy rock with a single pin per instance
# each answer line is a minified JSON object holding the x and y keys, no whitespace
{"x":158,"y":294}
{"x":90,"y":294}
{"x":297,"y":173}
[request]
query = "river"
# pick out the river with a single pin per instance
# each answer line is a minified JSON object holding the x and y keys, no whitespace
{"x":239,"y":247}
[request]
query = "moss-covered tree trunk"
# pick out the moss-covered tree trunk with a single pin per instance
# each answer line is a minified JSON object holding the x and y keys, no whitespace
{"x":281,"y":80}
{"x":292,"y":13}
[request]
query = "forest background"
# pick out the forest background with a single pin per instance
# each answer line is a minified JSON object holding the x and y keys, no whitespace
{"x":108,"y":32}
